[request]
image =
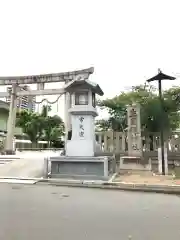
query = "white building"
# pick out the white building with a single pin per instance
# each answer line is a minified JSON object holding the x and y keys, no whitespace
{"x":24,"y":102}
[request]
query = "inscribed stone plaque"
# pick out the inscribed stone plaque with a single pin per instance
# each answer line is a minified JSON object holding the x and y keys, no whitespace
{"x":134,"y":131}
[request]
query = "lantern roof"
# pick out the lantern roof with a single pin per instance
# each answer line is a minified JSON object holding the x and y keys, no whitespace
{"x":161,"y":76}
{"x":85,"y":83}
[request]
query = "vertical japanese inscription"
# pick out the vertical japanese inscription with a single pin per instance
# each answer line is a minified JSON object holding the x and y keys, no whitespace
{"x":133,"y":129}
{"x":81,"y":127}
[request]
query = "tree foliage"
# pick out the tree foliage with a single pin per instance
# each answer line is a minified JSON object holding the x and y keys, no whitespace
{"x":31,"y":124}
{"x":40,"y":126}
{"x":53,"y":128}
{"x":103,"y":125}
{"x":151,"y":116}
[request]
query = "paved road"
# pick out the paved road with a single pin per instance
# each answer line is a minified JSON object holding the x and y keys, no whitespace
{"x":49,"y":212}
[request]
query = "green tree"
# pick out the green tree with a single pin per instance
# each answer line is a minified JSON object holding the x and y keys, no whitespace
{"x":53,"y":128}
{"x":147,"y":97}
{"x":31,"y":124}
{"x":40,"y":126}
{"x":102,"y":125}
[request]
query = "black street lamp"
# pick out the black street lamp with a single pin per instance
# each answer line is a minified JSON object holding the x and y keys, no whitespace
{"x":159,"y":77}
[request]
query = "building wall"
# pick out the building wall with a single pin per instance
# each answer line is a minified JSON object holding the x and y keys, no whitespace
{"x":24,"y":102}
{"x":3,"y":122}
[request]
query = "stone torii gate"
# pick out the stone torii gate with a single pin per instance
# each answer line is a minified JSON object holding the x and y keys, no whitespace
{"x":40,"y":80}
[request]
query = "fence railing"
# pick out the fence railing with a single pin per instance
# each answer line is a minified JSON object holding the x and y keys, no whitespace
{"x":117,"y":141}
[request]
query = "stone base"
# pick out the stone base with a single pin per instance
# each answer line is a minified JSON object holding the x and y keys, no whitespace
{"x":10,"y":152}
{"x":85,"y":168}
{"x":134,"y":163}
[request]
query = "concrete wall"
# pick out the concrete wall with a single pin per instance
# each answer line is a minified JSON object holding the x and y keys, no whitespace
{"x":3,"y":121}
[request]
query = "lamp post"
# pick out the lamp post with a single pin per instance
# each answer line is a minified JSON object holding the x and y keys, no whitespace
{"x":159,"y":77}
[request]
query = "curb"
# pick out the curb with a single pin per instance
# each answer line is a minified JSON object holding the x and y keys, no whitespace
{"x":174,"y":189}
{"x":99,"y":184}
{"x":20,"y":178}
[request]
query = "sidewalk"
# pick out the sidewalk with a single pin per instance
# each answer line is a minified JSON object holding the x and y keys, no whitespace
{"x":23,"y":168}
{"x":147,"y":179}
{"x":144,"y":182}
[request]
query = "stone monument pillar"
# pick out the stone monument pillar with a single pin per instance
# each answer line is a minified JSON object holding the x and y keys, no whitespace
{"x":134,"y":131}
{"x":82,"y":112}
{"x":134,"y":159}
{"x":83,"y":160}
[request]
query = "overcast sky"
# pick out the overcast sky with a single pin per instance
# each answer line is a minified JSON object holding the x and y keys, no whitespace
{"x":125,"y":40}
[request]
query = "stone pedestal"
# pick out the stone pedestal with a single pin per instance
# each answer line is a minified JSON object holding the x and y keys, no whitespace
{"x":10,"y":152}
{"x":85,"y":168}
{"x":134,"y":163}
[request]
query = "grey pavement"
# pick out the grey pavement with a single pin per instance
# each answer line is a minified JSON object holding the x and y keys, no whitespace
{"x":49,"y":212}
{"x":30,"y":164}
{"x":23,"y":168}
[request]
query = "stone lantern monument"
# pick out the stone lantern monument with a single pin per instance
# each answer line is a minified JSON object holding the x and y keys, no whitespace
{"x":81,"y":159}
{"x":83,"y":112}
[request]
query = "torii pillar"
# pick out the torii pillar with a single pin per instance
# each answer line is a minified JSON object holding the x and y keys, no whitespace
{"x":67,"y":120}
{"x":9,"y":149}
